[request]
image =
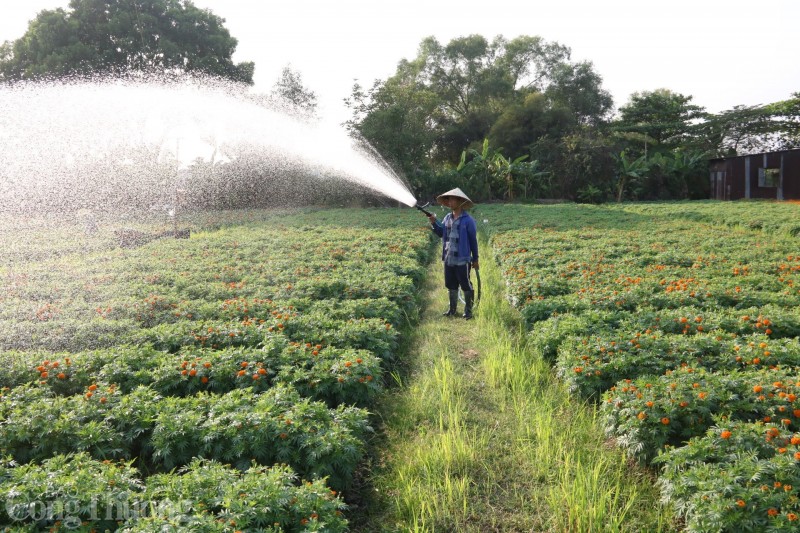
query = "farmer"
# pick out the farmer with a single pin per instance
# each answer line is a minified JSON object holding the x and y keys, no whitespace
{"x":459,"y":248}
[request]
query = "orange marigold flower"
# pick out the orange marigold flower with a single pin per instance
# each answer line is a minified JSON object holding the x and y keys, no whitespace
{"x":757,"y":389}
{"x":193,"y":372}
{"x":665,"y":421}
{"x":772,"y":512}
{"x":740,"y":503}
{"x":92,"y":387}
{"x":204,"y":379}
{"x":792,"y":517}
{"x":725,"y":434}
{"x":61,"y":375}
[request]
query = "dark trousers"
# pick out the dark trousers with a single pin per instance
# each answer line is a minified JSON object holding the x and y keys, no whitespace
{"x":457,"y":276}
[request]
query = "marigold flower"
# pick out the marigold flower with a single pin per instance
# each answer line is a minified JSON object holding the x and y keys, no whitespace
{"x":740,"y":503}
{"x":772,"y":512}
{"x":725,"y":434}
{"x":665,"y":421}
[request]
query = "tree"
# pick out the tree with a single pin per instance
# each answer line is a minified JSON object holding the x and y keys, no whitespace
{"x":395,"y":117}
{"x":518,"y":127}
{"x":290,"y":90}
{"x":629,"y":171}
{"x":577,"y":88}
{"x":451,"y":97}
{"x":102,"y":36}
{"x":752,"y":129}
{"x":662,"y":115}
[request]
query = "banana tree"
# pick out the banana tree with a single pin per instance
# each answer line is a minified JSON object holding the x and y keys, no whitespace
{"x":505,"y":171}
{"x":478,"y":170}
{"x":629,"y":170}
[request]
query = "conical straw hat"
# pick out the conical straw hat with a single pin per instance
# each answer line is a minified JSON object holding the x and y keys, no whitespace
{"x":456,"y":193}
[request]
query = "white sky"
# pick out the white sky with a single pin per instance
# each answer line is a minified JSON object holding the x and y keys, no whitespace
{"x":722,"y":52}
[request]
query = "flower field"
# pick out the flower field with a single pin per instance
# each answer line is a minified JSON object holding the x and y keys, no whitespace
{"x":220,"y":383}
{"x":683,"y":321}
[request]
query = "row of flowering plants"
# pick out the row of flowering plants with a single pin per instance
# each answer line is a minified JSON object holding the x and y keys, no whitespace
{"x":221,"y":382}
{"x":85,"y":494}
{"x":687,"y":333}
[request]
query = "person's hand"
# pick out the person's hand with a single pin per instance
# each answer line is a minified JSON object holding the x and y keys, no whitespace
{"x":432,"y":218}
{"x":475,"y":265}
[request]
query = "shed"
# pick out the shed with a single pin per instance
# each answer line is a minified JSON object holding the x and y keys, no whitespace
{"x":774,"y":175}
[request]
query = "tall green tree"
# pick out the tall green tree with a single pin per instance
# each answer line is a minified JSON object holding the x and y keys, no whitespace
{"x":665,"y":116}
{"x":100,"y":36}
{"x":452,"y":96}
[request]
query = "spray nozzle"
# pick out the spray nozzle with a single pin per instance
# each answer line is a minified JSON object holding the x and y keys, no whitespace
{"x":422,"y":208}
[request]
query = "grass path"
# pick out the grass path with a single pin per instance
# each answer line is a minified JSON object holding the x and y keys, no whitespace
{"x":478,"y":436}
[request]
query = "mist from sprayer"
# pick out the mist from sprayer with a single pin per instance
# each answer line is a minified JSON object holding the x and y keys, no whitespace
{"x":136,"y":141}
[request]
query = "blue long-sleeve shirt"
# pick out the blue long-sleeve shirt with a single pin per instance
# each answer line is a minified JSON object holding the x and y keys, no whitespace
{"x":467,"y":236}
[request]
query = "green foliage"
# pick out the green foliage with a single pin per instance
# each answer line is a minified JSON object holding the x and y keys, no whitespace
{"x":275,"y":426}
{"x":661,"y":115}
{"x":264,"y":337}
{"x":683,"y":317}
{"x":224,"y":499}
{"x":75,"y":492}
{"x":648,"y":415}
{"x":98,"y":37}
{"x":454,"y":95}
{"x":738,"y":476}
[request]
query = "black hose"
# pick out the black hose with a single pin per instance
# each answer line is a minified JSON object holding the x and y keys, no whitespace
{"x":422,"y":208}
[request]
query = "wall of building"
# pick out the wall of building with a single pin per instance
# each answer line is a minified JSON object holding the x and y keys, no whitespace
{"x":739,"y":177}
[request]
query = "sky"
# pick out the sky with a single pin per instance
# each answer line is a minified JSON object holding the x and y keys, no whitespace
{"x":721,"y":52}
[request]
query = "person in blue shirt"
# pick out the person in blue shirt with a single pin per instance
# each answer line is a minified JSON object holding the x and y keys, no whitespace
{"x":459,"y":248}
